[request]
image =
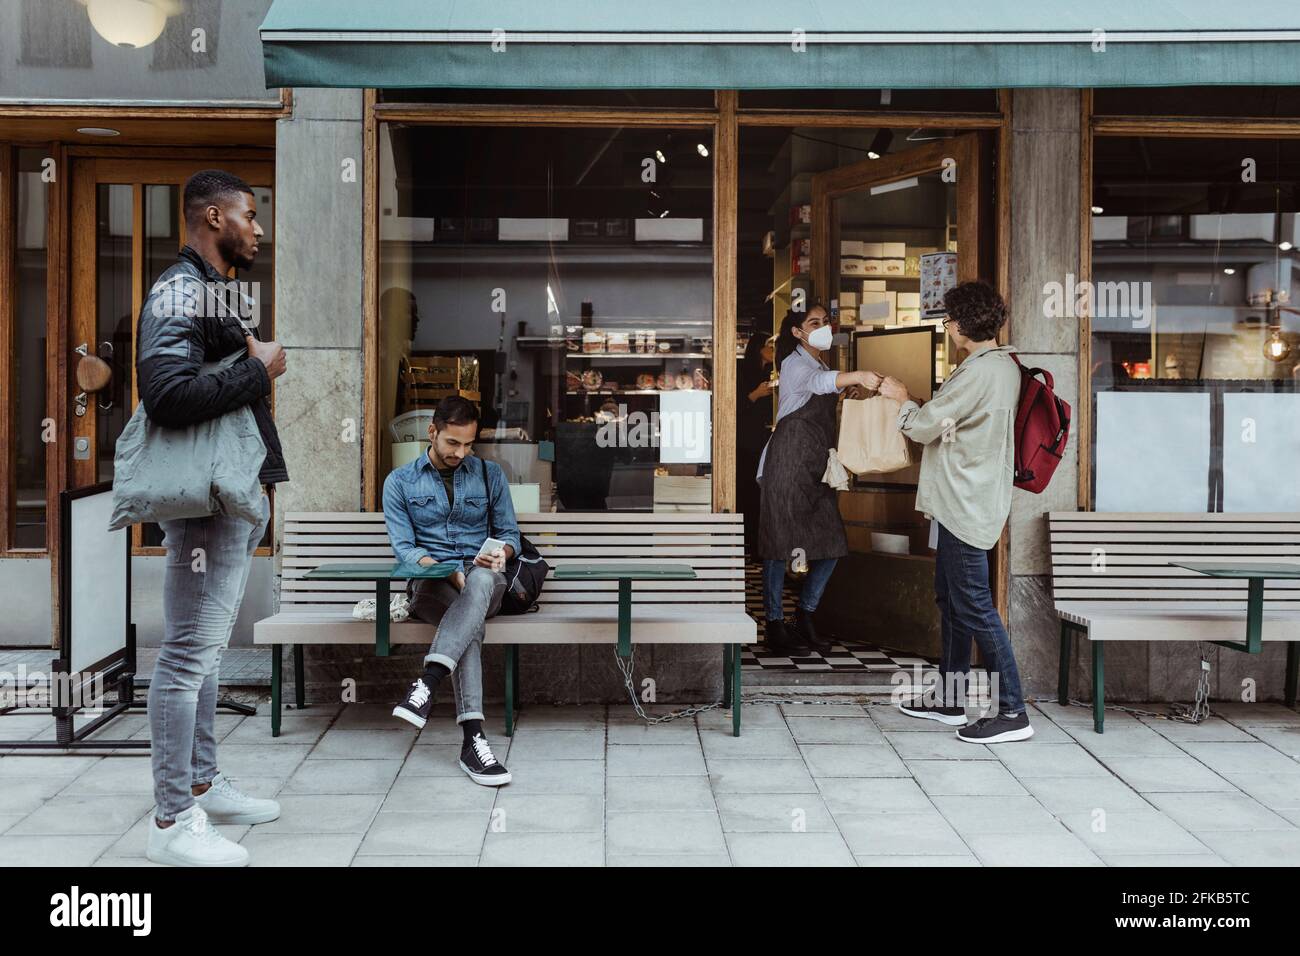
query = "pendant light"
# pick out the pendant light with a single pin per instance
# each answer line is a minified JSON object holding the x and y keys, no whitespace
{"x":130,"y":24}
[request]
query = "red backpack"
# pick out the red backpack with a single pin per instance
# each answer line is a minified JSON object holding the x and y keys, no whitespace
{"x":1042,"y":429}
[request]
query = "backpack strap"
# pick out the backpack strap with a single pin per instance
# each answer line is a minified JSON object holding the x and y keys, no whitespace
{"x":487,"y":488}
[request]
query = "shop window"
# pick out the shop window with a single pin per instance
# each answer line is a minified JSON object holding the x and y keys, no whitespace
{"x":614,"y":99}
{"x":1195,"y":324}
{"x":874,"y":100}
{"x":561,"y":279}
{"x":1235,"y":101}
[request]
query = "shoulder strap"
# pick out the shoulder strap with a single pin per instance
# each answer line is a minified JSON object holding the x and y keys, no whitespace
{"x":487,"y":488}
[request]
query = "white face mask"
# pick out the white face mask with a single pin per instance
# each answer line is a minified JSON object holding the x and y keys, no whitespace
{"x":820,"y":338}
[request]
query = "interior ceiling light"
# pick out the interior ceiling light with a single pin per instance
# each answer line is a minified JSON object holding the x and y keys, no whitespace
{"x":97,"y":131}
{"x":1229,"y":271}
{"x":1097,"y":210}
{"x":702,"y":149}
{"x":659,"y":153}
{"x":130,"y":24}
{"x":1284,"y":246}
{"x":1276,"y":348}
{"x":880,"y":143}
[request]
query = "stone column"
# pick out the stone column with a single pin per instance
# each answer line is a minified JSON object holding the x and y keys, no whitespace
{"x":318,"y":318}
{"x":1044,"y":197}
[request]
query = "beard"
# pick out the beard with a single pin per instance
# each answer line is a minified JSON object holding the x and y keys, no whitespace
{"x":232,"y":250}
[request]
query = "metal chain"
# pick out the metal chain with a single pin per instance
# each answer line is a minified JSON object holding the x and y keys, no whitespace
{"x":625,"y":666}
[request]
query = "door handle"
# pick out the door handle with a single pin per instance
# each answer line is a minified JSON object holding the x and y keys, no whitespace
{"x":81,"y":400}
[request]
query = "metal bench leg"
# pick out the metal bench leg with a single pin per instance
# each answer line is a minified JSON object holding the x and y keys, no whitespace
{"x":1292,"y":671}
{"x":1063,"y":674}
{"x":736,"y":702}
{"x":1098,"y":686}
{"x":299,"y":678}
{"x":726,"y":675}
{"x":277,"y":674}
{"x":511,"y":652}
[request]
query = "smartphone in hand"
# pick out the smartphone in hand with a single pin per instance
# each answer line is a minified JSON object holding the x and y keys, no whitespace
{"x":489,"y":546}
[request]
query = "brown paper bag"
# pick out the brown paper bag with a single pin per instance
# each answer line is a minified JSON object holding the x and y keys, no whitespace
{"x":870,"y":442}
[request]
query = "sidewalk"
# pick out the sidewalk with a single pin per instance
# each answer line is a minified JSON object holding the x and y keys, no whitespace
{"x":838,"y":784}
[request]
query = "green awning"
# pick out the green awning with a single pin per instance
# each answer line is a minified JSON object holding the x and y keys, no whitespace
{"x":750,"y":44}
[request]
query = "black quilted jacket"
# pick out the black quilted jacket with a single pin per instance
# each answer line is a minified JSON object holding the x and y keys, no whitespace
{"x":189,"y":318}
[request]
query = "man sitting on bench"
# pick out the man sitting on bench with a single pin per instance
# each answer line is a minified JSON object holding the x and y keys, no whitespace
{"x":436,"y":509}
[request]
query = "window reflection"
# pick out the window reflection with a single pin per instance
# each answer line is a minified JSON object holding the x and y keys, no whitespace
{"x":1195,"y":324}
{"x":562,"y":280}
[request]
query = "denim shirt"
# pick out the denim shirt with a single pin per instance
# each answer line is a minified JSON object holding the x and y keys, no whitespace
{"x":421,"y":524}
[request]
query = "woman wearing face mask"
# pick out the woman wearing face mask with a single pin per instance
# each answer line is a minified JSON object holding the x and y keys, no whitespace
{"x":800,"y":516}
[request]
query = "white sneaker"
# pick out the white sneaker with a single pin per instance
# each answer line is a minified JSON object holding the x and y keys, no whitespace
{"x":192,"y":841}
{"x":225,"y":804}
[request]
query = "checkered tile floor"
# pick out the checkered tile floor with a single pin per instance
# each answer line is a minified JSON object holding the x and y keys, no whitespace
{"x":844,"y":657}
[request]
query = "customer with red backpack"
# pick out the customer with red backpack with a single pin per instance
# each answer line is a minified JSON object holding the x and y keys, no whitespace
{"x":967,"y":468}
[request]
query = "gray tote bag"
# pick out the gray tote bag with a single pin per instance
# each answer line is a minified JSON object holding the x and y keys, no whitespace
{"x":164,"y":474}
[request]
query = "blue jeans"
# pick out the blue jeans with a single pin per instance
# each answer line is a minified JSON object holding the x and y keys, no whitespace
{"x":208,"y":560}
{"x":819,"y":573}
{"x":460,"y":616}
{"x":966,"y":611}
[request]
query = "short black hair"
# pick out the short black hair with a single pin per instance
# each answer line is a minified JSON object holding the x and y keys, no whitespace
{"x":211,"y":186}
{"x":455,"y":410}
{"x":978,"y":309}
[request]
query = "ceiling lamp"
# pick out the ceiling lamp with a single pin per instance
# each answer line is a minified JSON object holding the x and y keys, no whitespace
{"x":880,"y":144}
{"x":130,"y":24}
{"x":1276,"y":348}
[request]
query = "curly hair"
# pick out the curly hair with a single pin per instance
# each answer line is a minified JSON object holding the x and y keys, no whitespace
{"x":978,"y":309}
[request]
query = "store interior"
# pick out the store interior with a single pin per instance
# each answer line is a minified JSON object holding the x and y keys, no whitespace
{"x":562,"y":279}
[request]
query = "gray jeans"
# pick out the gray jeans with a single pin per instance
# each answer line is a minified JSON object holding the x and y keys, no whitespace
{"x":208,"y":560}
{"x":460,"y":616}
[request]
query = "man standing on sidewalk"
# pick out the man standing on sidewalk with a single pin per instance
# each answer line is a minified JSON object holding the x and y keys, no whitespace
{"x":191,"y":318}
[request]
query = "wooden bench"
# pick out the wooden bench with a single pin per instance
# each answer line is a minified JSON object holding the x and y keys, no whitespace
{"x":1112,"y":581}
{"x":708,"y":610}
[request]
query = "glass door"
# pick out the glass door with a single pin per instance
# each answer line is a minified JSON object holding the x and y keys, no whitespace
{"x":127,"y":226}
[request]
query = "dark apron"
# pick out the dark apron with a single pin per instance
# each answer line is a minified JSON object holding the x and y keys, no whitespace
{"x":798,"y":509}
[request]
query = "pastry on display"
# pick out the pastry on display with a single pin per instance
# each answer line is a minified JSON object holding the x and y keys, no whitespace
{"x":593,"y":340}
{"x":665,"y":382}
{"x":684,"y":381}
{"x":572,"y":381}
{"x":592,"y":379}
{"x":701,"y":380}
{"x":645,"y":381}
{"x":617,"y":342}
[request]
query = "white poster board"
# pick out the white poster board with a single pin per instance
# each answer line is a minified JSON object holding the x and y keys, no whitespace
{"x":98,"y":589}
{"x":685,"y":427}
{"x":1261,"y":452}
{"x":1153,"y":451}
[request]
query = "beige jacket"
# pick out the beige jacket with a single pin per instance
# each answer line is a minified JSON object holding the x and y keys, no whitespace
{"x":968,"y":430}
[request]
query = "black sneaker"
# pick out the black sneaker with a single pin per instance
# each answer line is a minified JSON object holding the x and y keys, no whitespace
{"x":997,"y":729}
{"x":418,"y":704}
{"x":929,"y":710}
{"x":476,"y":760}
